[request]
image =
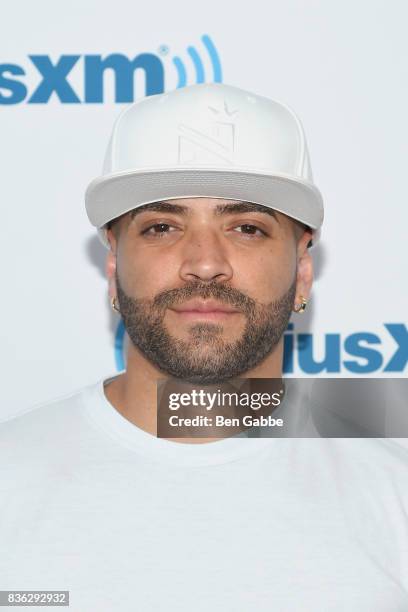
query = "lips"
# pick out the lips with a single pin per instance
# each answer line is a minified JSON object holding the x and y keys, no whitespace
{"x":205,"y":306}
{"x":198,"y":310}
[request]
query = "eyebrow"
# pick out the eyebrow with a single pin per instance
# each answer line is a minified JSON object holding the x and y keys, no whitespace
{"x":242,"y":207}
{"x":221,"y":209}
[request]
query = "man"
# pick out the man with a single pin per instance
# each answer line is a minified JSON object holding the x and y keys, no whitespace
{"x":208,"y":208}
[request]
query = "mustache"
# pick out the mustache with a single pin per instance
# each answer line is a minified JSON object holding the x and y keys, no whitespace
{"x":220,"y":292}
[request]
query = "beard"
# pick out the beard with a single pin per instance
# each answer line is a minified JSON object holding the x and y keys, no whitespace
{"x":206,"y":357}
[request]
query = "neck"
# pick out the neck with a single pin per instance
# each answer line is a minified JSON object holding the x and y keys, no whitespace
{"x":134,"y":393}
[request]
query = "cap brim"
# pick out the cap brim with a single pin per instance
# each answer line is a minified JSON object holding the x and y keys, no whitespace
{"x":111,"y":196}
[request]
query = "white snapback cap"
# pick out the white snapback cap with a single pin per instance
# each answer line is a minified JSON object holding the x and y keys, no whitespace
{"x":207,"y":140}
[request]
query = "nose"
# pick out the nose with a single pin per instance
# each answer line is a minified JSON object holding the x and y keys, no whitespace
{"x":204,"y":257}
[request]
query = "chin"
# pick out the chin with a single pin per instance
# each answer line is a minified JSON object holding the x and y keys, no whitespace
{"x":202,"y":330}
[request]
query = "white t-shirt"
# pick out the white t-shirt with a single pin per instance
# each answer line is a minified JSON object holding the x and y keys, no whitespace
{"x":126,"y":521}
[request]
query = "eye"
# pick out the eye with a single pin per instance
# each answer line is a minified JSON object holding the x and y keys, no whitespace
{"x":162,"y":228}
{"x":250,"y":230}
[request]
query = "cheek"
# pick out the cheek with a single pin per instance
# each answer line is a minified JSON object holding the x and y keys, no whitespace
{"x":141,"y":275}
{"x":268,"y":276}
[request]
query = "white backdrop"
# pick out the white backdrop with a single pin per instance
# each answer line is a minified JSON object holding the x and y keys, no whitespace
{"x":342,"y":66}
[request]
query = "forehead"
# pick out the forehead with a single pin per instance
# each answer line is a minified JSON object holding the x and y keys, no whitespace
{"x":215,"y":206}
{"x":198,"y":200}
{"x":204,"y":201}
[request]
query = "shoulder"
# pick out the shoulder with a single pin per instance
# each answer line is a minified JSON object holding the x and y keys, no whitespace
{"x":387,"y":453}
{"x":45,"y":430}
{"x":370,"y":464}
{"x":41,"y":417}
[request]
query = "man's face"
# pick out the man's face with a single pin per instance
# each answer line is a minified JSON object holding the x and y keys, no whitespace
{"x":206,"y":286}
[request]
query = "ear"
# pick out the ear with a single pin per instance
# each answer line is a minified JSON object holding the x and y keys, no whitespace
{"x":111,"y":263}
{"x":305,"y":267}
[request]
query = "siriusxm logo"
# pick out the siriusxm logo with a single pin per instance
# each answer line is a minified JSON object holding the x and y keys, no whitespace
{"x":361,"y":359}
{"x":354,"y":353}
{"x":54,"y":75}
